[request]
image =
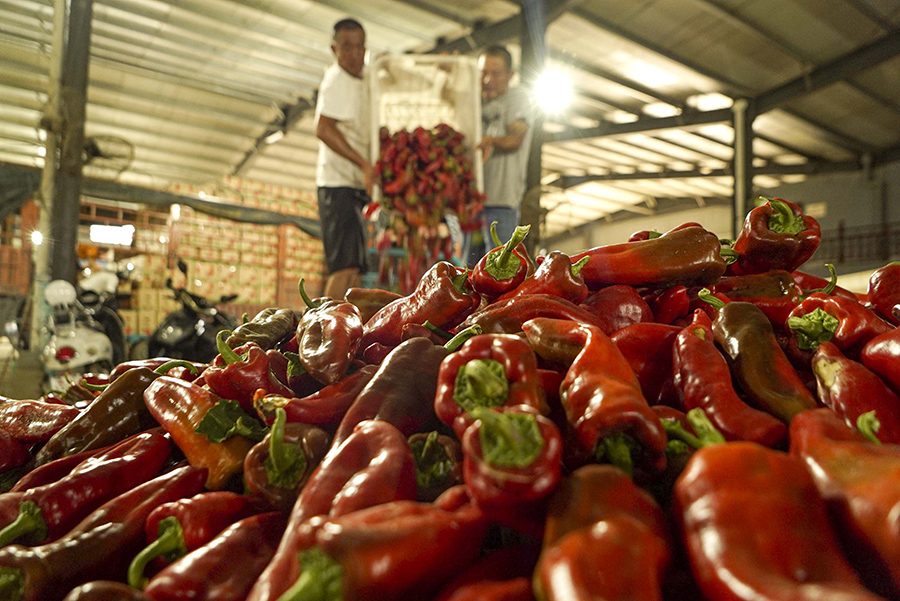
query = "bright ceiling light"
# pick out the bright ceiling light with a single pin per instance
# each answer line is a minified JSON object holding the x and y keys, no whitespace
{"x":553,"y":91}
{"x":37,"y":238}
{"x":121,"y":235}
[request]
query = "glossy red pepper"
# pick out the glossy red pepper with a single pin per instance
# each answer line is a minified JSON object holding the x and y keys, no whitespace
{"x":53,"y":471}
{"x":651,"y":234}
{"x":849,"y":389}
{"x":882,"y":356}
{"x":105,"y":590}
{"x":811,"y":283}
{"x":647,"y":347}
{"x":884,"y":291}
{"x":503,"y":575}
{"x":776,"y":235}
{"x":793,"y":552}
{"x":179,"y":371}
{"x":558,"y":276}
{"x":502,"y":269}
{"x":860,"y":481}
{"x":507,"y":317}
{"x":774,"y":292}
{"x":373,"y":466}
{"x":13,"y":453}
{"x":688,"y":256}
{"x":671,"y":304}
{"x":703,"y":377}
{"x":98,"y":547}
{"x":328,"y":336}
{"x":238,"y":374}
{"x":844,"y":322}
{"x":618,"y":307}
{"x":33,"y":421}
{"x":491,"y":370}
{"x":370,"y":301}
{"x":49,"y":511}
{"x":610,"y":418}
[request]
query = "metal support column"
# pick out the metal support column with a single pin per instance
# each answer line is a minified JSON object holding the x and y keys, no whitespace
{"x":744,"y":114}
{"x":534,"y":52}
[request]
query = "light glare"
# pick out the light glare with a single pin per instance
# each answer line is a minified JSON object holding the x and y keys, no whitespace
{"x":553,"y":91}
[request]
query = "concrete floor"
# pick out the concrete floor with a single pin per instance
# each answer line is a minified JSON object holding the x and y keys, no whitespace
{"x":21,"y":372}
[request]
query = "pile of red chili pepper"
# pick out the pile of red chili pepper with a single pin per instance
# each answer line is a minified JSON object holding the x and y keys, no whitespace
{"x":424,"y":174}
{"x":660,"y":419}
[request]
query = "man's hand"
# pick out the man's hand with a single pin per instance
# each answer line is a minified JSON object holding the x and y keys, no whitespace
{"x":486,"y":146}
{"x":368,"y":178}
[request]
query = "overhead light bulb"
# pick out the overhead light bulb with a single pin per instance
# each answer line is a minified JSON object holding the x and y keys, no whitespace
{"x":37,"y":238}
{"x":553,"y":91}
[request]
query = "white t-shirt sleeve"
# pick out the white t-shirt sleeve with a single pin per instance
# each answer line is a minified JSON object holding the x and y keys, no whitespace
{"x":336,"y":100}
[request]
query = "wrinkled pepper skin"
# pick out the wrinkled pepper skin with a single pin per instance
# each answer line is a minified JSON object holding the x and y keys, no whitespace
{"x":556,"y":276}
{"x":688,"y":256}
{"x":226,"y":567}
{"x":179,"y":407}
{"x":442,"y":297}
{"x":402,"y":549}
{"x":504,"y":575}
{"x":599,"y":403}
{"x":884,"y":291}
{"x":507,"y":317}
{"x":648,"y":349}
{"x":849,"y":389}
{"x":703,"y":377}
{"x":860,"y":481}
{"x":328,"y":337}
{"x":33,"y":421}
{"x":373,"y":466}
{"x":793,"y":554}
{"x":98,"y":547}
{"x":324,"y":408}
{"x":62,"y":504}
{"x":267,"y":328}
{"x":618,"y":307}
{"x":515,"y":363}
{"x":245,"y":371}
{"x":392,"y":395}
{"x":105,"y":590}
{"x":757,"y":362}
{"x":775,"y":235}
{"x":882,"y":356}
{"x":370,"y":301}
{"x":856,"y":325}
{"x":774,"y":292}
{"x":117,"y":413}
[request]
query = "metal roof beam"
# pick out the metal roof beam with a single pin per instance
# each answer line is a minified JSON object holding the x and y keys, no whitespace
{"x":837,"y":70}
{"x":290,"y":115}
{"x":643,"y":125}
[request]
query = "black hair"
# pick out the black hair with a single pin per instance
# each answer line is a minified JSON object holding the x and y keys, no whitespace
{"x":346,"y":24}
{"x":501,"y":52}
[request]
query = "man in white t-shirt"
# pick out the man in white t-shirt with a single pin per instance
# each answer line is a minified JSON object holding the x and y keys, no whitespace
{"x":344,"y":174}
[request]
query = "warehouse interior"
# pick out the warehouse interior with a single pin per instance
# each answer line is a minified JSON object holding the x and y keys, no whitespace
{"x":680,"y":110}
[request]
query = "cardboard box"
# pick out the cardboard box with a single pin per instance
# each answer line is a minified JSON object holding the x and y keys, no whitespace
{"x":130,"y":319}
{"x":147,"y":322}
{"x":147,"y":298}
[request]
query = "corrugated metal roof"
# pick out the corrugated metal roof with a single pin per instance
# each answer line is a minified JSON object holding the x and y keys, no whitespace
{"x":195,"y":85}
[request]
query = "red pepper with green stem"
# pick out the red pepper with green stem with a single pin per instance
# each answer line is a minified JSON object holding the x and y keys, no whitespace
{"x":776,"y":235}
{"x":226,"y":567}
{"x":617,"y":307}
{"x":849,"y":389}
{"x":507,"y":317}
{"x":373,"y":466}
{"x":860,"y":481}
{"x":441,"y":297}
{"x":647,"y":347}
{"x":610,"y":418}
{"x":100,"y":546}
{"x":438,"y":464}
{"x":793,"y":554}
{"x":757,"y":363}
{"x":810,"y":284}
{"x":688,"y":256}
{"x":179,"y":370}
{"x":774,"y":292}
{"x":48,"y":512}
{"x":882,"y":356}
{"x":328,"y":336}
{"x":704,"y":380}
{"x":503,"y":268}
{"x":844,"y":322}
{"x":277,"y":467}
{"x":557,"y":275}
{"x":176,"y":528}
{"x":30,"y":421}
{"x":238,"y":374}
{"x":491,"y":370}
{"x":884,"y":291}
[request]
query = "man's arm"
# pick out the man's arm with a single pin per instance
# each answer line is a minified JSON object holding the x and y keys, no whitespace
{"x":327,"y":131}
{"x":515,"y":135}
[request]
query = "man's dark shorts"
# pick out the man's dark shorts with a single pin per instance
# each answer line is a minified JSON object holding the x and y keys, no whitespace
{"x":343,"y":231}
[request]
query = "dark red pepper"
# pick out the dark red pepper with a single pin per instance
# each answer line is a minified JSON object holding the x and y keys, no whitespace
{"x":328,"y":336}
{"x":503,"y":268}
{"x":671,"y":304}
{"x":557,"y":275}
{"x":811,"y":283}
{"x":884,"y":291}
{"x":776,"y":235}
{"x":13,"y":453}
{"x":33,"y":421}
{"x":370,"y":301}
{"x":774,"y":292}
{"x":178,"y":371}
{"x":105,"y":590}
{"x":53,"y":471}
{"x":882,"y":356}
{"x":438,"y":464}
{"x":651,"y":234}
{"x":238,"y":374}
{"x":267,"y":329}
{"x":648,"y":349}
{"x":844,"y":322}
{"x":507,"y":317}
{"x":504,"y":575}
{"x":617,"y":307}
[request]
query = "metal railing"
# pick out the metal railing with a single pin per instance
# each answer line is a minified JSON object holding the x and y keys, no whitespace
{"x":878,"y":242}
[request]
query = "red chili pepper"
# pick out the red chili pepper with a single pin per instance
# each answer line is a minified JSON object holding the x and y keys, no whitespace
{"x":651,"y":234}
{"x":53,"y":471}
{"x":850,"y":390}
{"x":703,"y":377}
{"x":373,"y":466}
{"x":617,"y":307}
{"x":688,"y":256}
{"x":404,"y":179}
{"x":47,"y":512}
{"x":503,"y":268}
{"x":176,"y":528}
{"x":810,"y":283}
{"x":226,"y":567}
{"x":491,"y":370}
{"x":774,"y":292}
{"x":558,"y":276}
{"x":647,"y":347}
{"x":793,"y":552}
{"x":178,"y":371}
{"x":860,"y":481}
{"x":441,"y":297}
{"x":238,"y":374}
{"x":507,"y":317}
{"x":776,"y":235}
{"x":504,"y":575}
{"x":105,"y":590}
{"x":844,"y":322}
{"x":369,"y":301}
{"x":671,"y":304}
{"x":605,"y":408}
{"x":33,"y":421}
{"x":98,"y":547}
{"x":882,"y":356}
{"x":13,"y":453}
{"x":884,"y":291}
{"x":438,"y":464}
{"x":327,"y":336}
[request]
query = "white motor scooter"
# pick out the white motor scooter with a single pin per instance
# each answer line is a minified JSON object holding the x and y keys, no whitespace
{"x":78,"y":342}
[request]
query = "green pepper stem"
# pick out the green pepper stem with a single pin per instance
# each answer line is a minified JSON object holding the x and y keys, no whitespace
{"x":279,"y":452}
{"x":248,"y":431}
{"x":577,"y":267}
{"x":704,"y":428}
{"x":707,"y":296}
{"x":730,"y":255}
{"x":321,"y":579}
{"x":459,"y":281}
{"x":868,"y":424}
{"x":481,"y":383}
{"x":93,"y":387}
{"x":228,"y":354}
{"x":169,"y":542}
{"x":783,"y":221}
{"x":245,"y":318}
{"x":676,"y":431}
{"x":169,"y":365}
{"x":517,"y":236}
{"x":508,"y":439}
{"x":653,"y":235}
{"x":813,"y":328}
{"x":29,"y":521}
{"x":460,"y":339}
{"x":494,"y":236}
{"x":433,"y":328}
{"x":832,"y":284}
{"x":309,"y":302}
{"x":12,"y":583}
{"x":616,"y":449}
